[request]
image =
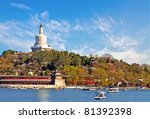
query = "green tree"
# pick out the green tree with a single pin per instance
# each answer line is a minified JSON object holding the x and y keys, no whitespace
{"x":119,"y":76}
{"x":99,"y":73}
{"x":74,"y":74}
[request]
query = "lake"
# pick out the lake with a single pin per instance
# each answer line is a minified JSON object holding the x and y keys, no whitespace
{"x":70,"y":95}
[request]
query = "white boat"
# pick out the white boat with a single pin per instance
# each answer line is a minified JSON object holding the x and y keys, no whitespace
{"x":100,"y":95}
{"x":92,"y":89}
{"x":113,"y":90}
{"x":23,"y":88}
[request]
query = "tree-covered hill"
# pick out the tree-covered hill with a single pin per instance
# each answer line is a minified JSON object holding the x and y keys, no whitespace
{"x":80,"y":70}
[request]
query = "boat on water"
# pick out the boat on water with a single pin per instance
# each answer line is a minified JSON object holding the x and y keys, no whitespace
{"x":101,"y":95}
{"x":86,"y":89}
{"x":113,"y":90}
{"x":23,"y":88}
{"x":92,"y":89}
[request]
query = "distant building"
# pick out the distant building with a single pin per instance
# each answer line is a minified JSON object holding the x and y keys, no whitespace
{"x":56,"y":81}
{"x":40,"y":41}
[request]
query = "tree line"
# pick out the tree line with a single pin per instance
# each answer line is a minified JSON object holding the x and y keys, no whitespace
{"x":79,"y":70}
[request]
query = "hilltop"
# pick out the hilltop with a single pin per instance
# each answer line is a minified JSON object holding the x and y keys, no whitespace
{"x":80,"y":70}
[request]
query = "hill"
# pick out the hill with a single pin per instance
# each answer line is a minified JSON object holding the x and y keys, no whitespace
{"x":80,"y":70}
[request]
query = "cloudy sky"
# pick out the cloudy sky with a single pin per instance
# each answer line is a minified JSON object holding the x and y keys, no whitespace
{"x":117,"y":27}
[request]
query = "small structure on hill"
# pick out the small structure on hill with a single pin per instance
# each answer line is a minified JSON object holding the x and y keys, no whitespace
{"x":107,"y":56}
{"x":40,"y":41}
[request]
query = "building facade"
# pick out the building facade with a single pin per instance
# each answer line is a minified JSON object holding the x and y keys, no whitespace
{"x":53,"y":81}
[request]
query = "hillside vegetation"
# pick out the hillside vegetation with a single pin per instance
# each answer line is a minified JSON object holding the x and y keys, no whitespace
{"x":79,"y":70}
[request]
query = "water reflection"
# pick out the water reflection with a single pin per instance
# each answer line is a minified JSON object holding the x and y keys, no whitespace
{"x":43,"y":95}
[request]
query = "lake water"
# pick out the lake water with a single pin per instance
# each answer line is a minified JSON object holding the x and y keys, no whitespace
{"x":70,"y":95}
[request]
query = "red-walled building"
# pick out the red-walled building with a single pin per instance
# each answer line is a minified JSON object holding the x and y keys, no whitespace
{"x":33,"y":80}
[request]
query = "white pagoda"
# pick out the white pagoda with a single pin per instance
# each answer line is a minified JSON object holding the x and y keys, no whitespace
{"x":40,"y":41}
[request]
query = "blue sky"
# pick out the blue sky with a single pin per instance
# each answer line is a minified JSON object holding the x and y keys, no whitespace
{"x":97,"y":27}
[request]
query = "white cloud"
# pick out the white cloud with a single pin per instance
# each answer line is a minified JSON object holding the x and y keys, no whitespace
{"x":78,"y":27}
{"x":104,"y":24}
{"x":115,"y":35}
{"x":132,"y":56}
{"x":109,"y":31}
{"x":20,"y":6}
{"x":123,"y":22}
{"x":128,"y":55}
{"x":57,"y":32}
{"x":81,"y":50}
{"x":44,"y":14}
{"x":121,"y":42}
{"x":14,"y":36}
{"x":59,"y":26}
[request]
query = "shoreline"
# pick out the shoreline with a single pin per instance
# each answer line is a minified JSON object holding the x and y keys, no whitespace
{"x":31,"y":86}
{"x":94,"y":87}
{"x":67,"y":87}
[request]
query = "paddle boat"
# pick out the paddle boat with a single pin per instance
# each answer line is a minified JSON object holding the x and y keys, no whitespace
{"x":113,"y":90}
{"x":100,"y":95}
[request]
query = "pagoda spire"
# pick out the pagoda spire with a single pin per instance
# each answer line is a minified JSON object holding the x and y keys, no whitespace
{"x":41,"y":29}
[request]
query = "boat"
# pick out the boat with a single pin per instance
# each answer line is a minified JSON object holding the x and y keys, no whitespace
{"x":22,"y":88}
{"x":86,"y":89}
{"x":100,"y":95}
{"x":92,"y":89}
{"x":113,"y":90}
